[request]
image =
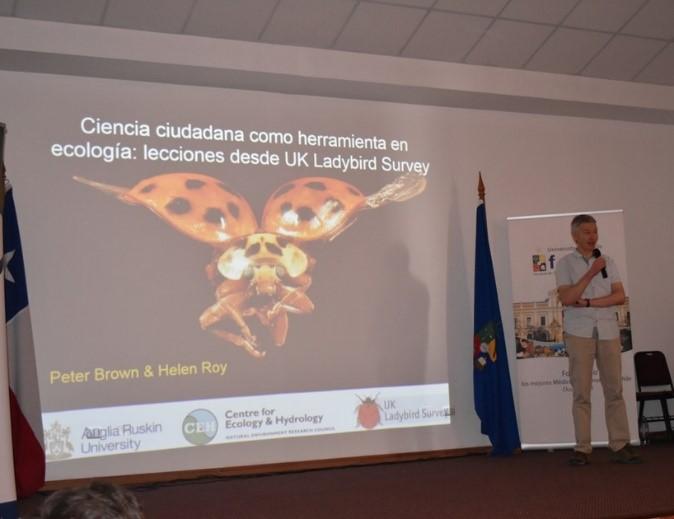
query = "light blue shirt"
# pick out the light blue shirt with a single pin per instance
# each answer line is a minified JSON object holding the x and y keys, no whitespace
{"x":582,"y":322}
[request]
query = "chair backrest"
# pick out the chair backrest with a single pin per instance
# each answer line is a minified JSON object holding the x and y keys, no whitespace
{"x":651,"y":369}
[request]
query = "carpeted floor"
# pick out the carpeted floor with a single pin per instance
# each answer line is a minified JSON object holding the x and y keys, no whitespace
{"x":534,"y":484}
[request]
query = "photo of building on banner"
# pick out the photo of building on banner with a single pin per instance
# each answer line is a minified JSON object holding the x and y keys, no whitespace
{"x":538,"y":324}
{"x":537,"y":244}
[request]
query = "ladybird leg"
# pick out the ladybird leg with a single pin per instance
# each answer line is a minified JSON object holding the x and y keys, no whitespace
{"x":297,"y":302}
{"x":237,"y":340}
{"x":217,"y":312}
{"x":229,"y":286}
{"x":279,"y":329}
{"x":263,"y":315}
{"x":227,"y":307}
{"x":294,"y":298}
{"x":303,"y":281}
{"x":224,"y":309}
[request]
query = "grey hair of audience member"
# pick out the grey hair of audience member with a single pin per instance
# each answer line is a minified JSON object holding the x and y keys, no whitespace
{"x":98,"y":500}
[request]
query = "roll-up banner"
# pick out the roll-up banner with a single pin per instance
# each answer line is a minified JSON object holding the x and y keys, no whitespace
{"x":544,"y":393}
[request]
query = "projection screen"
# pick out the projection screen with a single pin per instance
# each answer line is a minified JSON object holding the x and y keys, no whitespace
{"x":224,"y":278}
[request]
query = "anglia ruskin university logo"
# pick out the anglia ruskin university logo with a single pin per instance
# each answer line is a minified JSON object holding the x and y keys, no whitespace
{"x":200,"y":427}
{"x":543,"y":264}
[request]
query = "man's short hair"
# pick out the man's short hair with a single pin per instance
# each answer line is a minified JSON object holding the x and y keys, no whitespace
{"x":580,"y":220}
{"x":98,"y":500}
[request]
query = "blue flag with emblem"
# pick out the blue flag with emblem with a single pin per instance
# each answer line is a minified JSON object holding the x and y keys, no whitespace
{"x":491,"y":378}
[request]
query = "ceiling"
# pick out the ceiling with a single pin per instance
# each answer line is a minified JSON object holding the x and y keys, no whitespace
{"x":627,"y":40}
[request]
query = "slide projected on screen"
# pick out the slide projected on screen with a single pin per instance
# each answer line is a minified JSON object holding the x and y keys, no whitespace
{"x":226,"y":278}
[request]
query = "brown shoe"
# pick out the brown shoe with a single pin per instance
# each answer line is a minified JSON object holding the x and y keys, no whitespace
{"x":578,"y":459}
{"x":626,"y":456}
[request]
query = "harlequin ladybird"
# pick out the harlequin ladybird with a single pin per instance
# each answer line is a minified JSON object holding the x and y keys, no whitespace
{"x":369,"y":412}
{"x":265,"y":271}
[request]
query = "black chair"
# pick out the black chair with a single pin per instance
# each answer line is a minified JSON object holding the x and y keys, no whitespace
{"x":652,"y":372}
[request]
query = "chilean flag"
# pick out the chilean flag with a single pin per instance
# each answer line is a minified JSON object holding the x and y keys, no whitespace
{"x":22,"y":459}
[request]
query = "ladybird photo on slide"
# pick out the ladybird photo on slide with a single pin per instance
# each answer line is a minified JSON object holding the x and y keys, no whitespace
{"x":260,"y":270}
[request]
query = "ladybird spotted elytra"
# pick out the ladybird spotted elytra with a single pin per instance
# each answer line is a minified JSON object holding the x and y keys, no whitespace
{"x":369,"y":412}
{"x":311,"y":208}
{"x":197,"y":205}
{"x":265,"y":271}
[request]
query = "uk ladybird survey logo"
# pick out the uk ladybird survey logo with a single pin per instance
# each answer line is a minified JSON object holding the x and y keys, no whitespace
{"x":368,"y":412}
{"x":200,"y":427}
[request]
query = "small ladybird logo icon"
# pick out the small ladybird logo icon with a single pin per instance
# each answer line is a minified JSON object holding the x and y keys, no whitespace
{"x":369,"y":412}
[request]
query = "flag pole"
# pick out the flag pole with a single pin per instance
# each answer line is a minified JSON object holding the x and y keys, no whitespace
{"x":3,"y":131}
{"x":480,"y":187}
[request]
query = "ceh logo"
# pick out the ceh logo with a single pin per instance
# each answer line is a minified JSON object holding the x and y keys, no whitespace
{"x":200,"y":427}
{"x":543,"y":265}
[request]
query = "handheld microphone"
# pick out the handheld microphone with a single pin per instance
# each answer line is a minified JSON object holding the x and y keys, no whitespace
{"x":596,"y":253}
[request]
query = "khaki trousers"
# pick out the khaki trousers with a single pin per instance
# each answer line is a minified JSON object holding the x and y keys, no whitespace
{"x":582,"y":353}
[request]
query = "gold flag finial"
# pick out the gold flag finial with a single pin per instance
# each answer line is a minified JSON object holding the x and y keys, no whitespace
{"x":480,"y":187}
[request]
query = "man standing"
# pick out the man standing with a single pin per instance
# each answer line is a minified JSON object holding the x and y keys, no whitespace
{"x":590,"y":288}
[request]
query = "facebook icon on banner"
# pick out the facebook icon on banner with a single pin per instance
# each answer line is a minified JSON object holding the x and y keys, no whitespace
{"x":543,"y":265}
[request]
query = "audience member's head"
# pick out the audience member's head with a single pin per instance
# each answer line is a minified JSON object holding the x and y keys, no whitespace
{"x":97,"y":501}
